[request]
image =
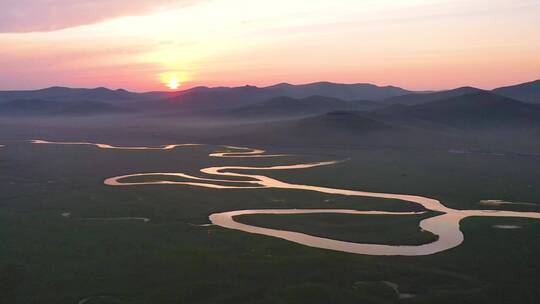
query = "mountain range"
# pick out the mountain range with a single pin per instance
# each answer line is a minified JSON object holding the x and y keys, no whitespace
{"x":461,"y":108}
{"x":291,"y":107}
{"x":318,"y":114}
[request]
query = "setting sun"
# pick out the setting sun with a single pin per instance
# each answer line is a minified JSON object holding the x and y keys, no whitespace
{"x":173,"y":80}
{"x":173,"y":84}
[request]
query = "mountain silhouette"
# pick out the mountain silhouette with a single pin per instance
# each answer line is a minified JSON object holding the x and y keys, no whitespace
{"x":39,"y":107}
{"x":528,"y":92}
{"x":418,"y":98}
{"x":476,"y":110}
{"x":289,"y":107}
{"x":360,"y":91}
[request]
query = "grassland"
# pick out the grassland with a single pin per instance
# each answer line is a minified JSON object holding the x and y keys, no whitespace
{"x":48,"y":258}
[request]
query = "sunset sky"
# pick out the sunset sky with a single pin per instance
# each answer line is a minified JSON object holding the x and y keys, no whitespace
{"x":143,"y":45}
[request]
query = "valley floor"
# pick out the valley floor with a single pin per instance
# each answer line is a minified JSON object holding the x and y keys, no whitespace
{"x":52,"y":253}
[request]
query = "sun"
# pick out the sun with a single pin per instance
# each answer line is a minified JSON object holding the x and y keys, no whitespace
{"x":173,"y":80}
{"x":173,"y":83}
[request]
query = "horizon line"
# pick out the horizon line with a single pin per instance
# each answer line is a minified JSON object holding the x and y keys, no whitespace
{"x":264,"y":87}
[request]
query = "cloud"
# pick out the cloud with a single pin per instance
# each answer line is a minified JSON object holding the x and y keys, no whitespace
{"x":19,"y":16}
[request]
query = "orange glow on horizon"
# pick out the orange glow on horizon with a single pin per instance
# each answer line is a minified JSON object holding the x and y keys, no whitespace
{"x":415,"y":44}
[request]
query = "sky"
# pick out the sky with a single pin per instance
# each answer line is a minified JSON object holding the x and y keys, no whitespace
{"x":145,"y":45}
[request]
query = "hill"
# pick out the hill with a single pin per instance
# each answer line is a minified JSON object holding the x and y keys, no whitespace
{"x":211,"y":99}
{"x":203,"y":98}
{"x":528,"y":92}
{"x":473,"y":120}
{"x":418,"y":98}
{"x":70,"y":95}
{"x":291,"y":107}
{"x":476,"y":110}
{"x":38,"y":107}
{"x":359,"y":91}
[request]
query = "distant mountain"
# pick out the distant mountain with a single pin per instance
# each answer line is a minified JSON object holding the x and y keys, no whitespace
{"x":460,"y":121}
{"x":203,"y":98}
{"x":280,"y":99}
{"x":354,"y":129}
{"x":62,"y":94}
{"x":418,"y":98}
{"x":437,"y":123}
{"x":69,"y":101}
{"x":476,"y":110}
{"x":359,"y":91}
{"x":441,"y":123}
{"x":211,"y":99}
{"x":528,"y":92}
{"x":291,"y":107}
{"x":38,"y":107}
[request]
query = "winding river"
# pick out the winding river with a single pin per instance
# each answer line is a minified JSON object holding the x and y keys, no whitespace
{"x":446,"y":225}
{"x":106,"y":146}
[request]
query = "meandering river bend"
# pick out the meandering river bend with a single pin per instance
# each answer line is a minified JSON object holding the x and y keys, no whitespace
{"x":446,"y":225}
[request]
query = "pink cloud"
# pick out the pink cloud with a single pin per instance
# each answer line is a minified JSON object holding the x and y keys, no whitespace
{"x":50,"y":15}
